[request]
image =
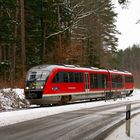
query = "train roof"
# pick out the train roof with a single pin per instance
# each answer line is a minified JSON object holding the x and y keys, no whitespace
{"x":50,"y":67}
{"x":120,"y":72}
{"x":73,"y":67}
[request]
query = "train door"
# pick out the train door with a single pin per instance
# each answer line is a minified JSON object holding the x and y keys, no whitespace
{"x":109,"y":81}
{"x":87,"y":82}
{"x":123,"y":82}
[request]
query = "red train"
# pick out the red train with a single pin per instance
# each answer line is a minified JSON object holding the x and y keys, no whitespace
{"x":49,"y":84}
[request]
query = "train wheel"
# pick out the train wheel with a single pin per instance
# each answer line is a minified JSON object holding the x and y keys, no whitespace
{"x":65,"y":99}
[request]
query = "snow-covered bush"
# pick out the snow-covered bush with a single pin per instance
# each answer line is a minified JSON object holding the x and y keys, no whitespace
{"x":12,"y":99}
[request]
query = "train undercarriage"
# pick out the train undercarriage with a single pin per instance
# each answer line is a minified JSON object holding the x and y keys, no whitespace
{"x":43,"y":99}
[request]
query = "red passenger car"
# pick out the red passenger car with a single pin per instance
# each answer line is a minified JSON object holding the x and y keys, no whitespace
{"x":48,"y":84}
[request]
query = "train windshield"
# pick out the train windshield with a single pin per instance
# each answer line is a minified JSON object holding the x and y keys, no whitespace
{"x":38,"y":76}
{"x":36,"y":80}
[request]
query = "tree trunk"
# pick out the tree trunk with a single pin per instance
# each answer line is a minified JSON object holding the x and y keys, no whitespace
{"x":60,"y":38}
{"x":22,"y":29}
{"x":13,"y":61}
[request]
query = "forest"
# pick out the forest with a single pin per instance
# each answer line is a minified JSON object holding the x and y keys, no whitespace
{"x":84,"y":33}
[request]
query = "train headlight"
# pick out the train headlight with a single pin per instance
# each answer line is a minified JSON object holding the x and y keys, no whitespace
{"x":27,"y":88}
{"x":41,"y":87}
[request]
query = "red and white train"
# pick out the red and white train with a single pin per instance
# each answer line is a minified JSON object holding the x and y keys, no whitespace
{"x":49,"y":84}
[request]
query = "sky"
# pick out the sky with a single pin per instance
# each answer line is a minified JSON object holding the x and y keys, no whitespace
{"x":126,"y":24}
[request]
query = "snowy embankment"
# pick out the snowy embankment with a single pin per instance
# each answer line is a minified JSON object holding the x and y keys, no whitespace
{"x":12,"y":99}
{"x":11,"y":117}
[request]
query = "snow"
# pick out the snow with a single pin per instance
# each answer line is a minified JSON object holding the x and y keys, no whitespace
{"x":11,"y":117}
{"x":120,"y":133}
{"x":11,"y":99}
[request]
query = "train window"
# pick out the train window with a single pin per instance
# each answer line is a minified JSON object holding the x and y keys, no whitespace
{"x":58,"y":77}
{"x":65,"y":77}
{"x":77,"y":77}
{"x":114,"y":81}
{"x":81,"y":77}
{"x":91,"y":80}
{"x":98,"y":81}
{"x":94,"y":81}
{"x":117,"y":81}
{"x":102,"y":81}
{"x":32,"y":75}
{"x":71,"y":77}
{"x":38,"y":76}
{"x":68,"y":77}
{"x":43,"y":75}
{"x":129,"y":79}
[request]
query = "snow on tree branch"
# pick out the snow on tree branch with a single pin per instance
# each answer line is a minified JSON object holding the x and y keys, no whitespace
{"x":79,"y":12}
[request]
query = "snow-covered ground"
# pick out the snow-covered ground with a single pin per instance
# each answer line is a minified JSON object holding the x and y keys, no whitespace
{"x":11,"y":117}
{"x":12,"y":99}
{"x":120,"y":133}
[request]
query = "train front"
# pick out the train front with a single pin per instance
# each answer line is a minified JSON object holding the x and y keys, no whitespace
{"x":35,"y":82}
